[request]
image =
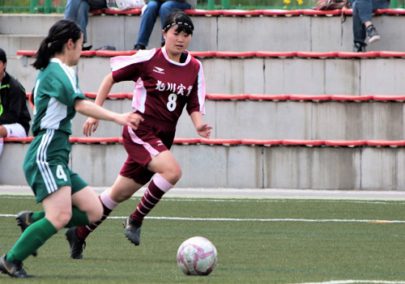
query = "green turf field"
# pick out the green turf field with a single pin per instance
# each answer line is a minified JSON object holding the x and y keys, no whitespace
{"x":258,"y":241}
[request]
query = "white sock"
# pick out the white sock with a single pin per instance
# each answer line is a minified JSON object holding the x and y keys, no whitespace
{"x":1,"y":146}
{"x":107,"y":201}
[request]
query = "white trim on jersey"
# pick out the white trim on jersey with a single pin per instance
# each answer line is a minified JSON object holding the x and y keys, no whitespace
{"x":188,"y":59}
{"x":55,"y":113}
{"x":152,"y":151}
{"x":35,"y":93}
{"x":139,"y":96}
{"x":201,"y":92}
{"x":119,"y":62}
{"x":42,"y":163}
{"x":139,"y":93}
{"x":70,"y":73}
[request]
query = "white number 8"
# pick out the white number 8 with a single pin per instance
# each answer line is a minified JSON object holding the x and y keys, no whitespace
{"x":171,"y":104}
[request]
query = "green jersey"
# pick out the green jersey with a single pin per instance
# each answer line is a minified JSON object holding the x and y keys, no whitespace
{"x":46,"y":162}
{"x":55,"y":93}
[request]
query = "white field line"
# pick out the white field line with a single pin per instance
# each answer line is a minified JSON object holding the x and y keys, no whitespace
{"x":355,"y":281}
{"x":279,"y":220}
{"x":250,"y":193}
{"x":249,"y":200}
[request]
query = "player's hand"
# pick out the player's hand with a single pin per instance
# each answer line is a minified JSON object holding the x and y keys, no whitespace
{"x":204,"y":130}
{"x":131,"y":119}
{"x":90,"y":126}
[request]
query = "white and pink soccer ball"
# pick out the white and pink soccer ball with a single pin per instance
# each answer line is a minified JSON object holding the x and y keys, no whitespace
{"x":197,"y":256}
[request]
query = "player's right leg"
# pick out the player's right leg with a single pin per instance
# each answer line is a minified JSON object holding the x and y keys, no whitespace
{"x":122,"y":189}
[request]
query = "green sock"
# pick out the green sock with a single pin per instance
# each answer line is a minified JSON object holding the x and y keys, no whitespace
{"x":37,"y":215}
{"x":79,"y":218}
{"x":32,"y":239}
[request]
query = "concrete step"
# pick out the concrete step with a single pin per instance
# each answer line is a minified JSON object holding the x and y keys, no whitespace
{"x":218,"y":32}
{"x":262,"y":75}
{"x":34,"y":24}
{"x":241,"y":166}
{"x":346,"y":120}
{"x":13,"y":42}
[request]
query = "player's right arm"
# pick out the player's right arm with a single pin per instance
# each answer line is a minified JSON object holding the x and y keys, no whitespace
{"x":91,"y":109}
{"x":91,"y":124}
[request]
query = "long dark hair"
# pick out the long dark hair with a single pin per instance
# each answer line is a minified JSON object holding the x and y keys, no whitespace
{"x":58,"y":35}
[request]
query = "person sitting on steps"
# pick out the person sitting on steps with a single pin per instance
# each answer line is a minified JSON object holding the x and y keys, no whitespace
{"x":364,"y":32}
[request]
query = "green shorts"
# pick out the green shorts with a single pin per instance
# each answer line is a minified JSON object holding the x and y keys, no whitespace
{"x":46,"y":165}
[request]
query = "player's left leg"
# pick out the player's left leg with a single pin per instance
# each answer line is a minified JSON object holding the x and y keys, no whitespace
{"x":26,"y":218}
{"x":168,"y":172}
{"x":58,"y":211}
{"x":86,"y":200}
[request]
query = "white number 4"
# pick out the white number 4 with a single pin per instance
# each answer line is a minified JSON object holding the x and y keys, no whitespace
{"x":60,"y":173}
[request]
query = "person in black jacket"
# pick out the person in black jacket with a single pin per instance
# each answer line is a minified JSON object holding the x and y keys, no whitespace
{"x":14,"y":115}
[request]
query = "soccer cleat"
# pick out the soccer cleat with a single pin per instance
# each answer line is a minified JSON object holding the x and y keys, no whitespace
{"x":372,"y":34}
{"x":86,"y":47}
{"x":359,"y":47}
{"x":132,"y":232}
{"x":24,"y":219}
{"x":139,"y":46}
{"x":76,"y":245}
{"x":13,"y":269}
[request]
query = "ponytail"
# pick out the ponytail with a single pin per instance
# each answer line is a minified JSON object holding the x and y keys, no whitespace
{"x":58,"y":36}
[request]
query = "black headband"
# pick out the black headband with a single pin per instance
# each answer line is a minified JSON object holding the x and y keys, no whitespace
{"x":187,"y":25}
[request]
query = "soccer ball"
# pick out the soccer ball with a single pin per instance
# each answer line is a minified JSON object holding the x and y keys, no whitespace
{"x":197,"y":256}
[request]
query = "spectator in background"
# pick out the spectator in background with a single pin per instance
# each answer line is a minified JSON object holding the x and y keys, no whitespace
{"x":151,"y":11}
{"x":14,"y":115}
{"x":78,"y":11}
{"x":364,"y":31}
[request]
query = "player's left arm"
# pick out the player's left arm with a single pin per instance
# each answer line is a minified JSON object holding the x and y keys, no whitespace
{"x":203,"y":129}
{"x":196,"y":105}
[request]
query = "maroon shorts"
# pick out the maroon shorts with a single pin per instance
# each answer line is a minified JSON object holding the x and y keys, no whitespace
{"x":151,"y":138}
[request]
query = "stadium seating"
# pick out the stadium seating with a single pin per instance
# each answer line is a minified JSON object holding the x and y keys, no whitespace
{"x":291,"y":105}
{"x":262,"y":72}
{"x":232,"y":30}
{"x":316,"y":164}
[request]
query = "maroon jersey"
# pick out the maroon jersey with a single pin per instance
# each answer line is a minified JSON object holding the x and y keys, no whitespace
{"x":162,"y":86}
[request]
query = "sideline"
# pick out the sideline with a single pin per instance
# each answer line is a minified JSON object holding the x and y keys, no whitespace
{"x":250,"y":220}
{"x":356,"y":281}
{"x":249,"y":193}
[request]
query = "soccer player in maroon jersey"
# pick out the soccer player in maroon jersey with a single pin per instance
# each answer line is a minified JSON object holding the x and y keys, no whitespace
{"x":168,"y":79}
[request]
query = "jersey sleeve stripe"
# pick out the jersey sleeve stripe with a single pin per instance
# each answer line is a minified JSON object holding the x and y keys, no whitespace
{"x":201,"y":92}
{"x":119,"y":62}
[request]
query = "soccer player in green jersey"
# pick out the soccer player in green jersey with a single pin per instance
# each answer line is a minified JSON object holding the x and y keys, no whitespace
{"x":66,"y":198}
